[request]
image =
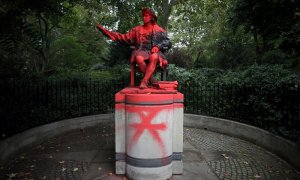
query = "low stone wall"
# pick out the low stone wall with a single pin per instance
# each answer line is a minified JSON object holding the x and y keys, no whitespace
{"x":284,"y":148}
{"x":287,"y":150}
{"x":10,"y":146}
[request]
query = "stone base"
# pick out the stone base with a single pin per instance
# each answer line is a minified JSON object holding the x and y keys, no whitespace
{"x":120,"y":167}
{"x":149,"y":133}
{"x":177,"y":167}
{"x":159,"y":173}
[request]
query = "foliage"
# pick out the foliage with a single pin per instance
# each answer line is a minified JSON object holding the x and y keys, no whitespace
{"x":51,"y":36}
{"x":274,"y":25}
{"x":70,"y":55}
{"x":263,"y":92}
{"x":28,"y":29}
{"x":180,"y":58}
{"x":200,"y":27}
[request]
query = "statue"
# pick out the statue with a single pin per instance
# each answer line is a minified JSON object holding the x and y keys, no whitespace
{"x":150,"y":41}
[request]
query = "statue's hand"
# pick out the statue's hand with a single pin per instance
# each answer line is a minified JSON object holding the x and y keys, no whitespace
{"x":106,"y":32}
{"x":163,"y":63}
{"x":100,"y":27}
{"x":155,"y":49}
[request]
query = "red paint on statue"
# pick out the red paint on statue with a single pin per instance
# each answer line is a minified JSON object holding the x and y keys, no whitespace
{"x":146,"y":116}
{"x":178,"y":105}
{"x":150,"y":42}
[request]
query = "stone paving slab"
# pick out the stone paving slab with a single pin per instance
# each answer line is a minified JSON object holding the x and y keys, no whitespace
{"x":88,"y":154}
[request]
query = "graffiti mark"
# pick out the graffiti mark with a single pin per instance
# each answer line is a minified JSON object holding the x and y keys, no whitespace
{"x":146,"y":116}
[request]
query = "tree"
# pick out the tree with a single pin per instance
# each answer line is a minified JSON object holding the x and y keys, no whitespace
{"x":201,"y":27}
{"x":273,"y":23}
{"x":28,"y":29}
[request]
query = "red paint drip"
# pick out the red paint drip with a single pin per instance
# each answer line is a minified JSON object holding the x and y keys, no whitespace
{"x":146,"y":124}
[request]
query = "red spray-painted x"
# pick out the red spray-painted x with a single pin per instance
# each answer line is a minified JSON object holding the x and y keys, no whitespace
{"x":146,"y":116}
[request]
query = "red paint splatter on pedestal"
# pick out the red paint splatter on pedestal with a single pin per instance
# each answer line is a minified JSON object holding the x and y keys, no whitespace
{"x":146,"y":116}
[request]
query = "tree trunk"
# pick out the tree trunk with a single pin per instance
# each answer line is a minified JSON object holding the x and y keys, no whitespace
{"x":45,"y":43}
{"x":166,"y":11}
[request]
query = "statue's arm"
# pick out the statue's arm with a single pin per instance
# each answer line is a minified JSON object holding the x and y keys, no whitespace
{"x":127,"y":38}
{"x":106,"y":32}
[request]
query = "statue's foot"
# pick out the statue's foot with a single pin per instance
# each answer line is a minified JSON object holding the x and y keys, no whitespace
{"x":143,"y":85}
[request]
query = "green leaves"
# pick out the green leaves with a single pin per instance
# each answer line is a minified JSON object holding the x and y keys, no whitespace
{"x":272,"y":24}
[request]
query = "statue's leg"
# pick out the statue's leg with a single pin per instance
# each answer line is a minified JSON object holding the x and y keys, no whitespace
{"x":150,"y":69}
{"x":140,"y":60}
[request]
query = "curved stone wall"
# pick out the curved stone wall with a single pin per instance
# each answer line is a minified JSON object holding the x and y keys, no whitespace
{"x":13,"y":144}
{"x":284,"y":148}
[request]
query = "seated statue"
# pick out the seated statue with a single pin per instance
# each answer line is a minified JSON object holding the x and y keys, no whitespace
{"x":150,"y":41}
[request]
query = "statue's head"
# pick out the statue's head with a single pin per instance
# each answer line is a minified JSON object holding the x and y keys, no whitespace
{"x":151,"y":13}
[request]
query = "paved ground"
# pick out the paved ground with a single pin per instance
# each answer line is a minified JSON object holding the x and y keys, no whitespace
{"x":89,"y":154}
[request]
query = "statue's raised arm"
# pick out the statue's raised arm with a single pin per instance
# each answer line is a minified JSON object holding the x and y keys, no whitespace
{"x":106,"y":32}
{"x":127,"y":38}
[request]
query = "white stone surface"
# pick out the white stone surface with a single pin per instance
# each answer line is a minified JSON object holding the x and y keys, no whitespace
{"x":120,"y":167}
{"x":177,"y":167}
{"x":120,"y":130}
{"x":160,"y":173}
{"x":146,"y":146}
{"x":178,"y":129}
{"x":141,"y":142}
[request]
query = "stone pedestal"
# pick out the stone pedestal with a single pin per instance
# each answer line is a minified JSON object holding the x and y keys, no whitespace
{"x":149,"y":133}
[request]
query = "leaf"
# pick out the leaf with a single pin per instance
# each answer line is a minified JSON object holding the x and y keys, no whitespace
{"x":28,"y":174}
{"x":257,"y":176}
{"x":12,"y":175}
{"x":287,"y":171}
{"x":63,"y":169}
{"x":224,"y":155}
{"x":75,"y":169}
{"x":22,"y":174}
